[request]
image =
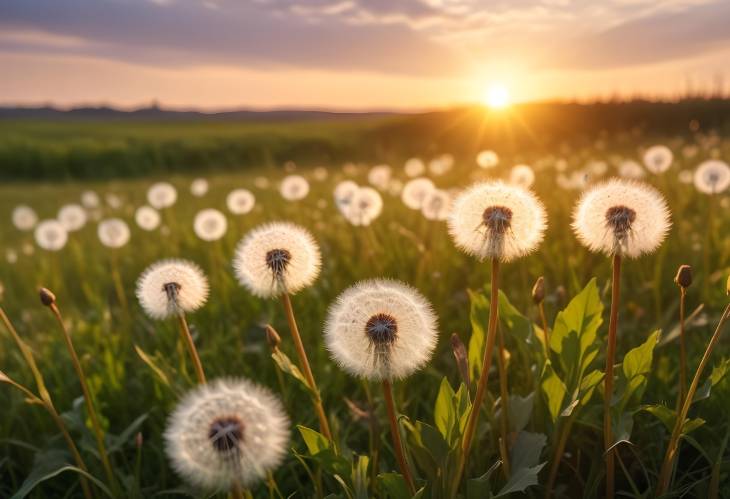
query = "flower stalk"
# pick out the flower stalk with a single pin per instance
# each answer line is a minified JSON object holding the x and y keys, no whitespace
{"x":608,"y":382}
{"x":395,"y":433}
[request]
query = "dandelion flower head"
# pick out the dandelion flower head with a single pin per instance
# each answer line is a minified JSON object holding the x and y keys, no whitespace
{"x":72,"y":216}
{"x":416,"y":191}
{"x":712,"y":177}
{"x":113,"y":232}
{"x":51,"y":235}
{"x":169,"y":287}
{"x":658,"y":159}
{"x":294,"y":187}
{"x":210,"y":224}
{"x":522,"y":175}
{"x":240,"y":201}
{"x":147,"y":218}
{"x":199,"y":187}
{"x":24,"y":217}
{"x":161,"y":195}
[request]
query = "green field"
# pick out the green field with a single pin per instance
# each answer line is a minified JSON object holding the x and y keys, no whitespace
{"x":138,"y":368}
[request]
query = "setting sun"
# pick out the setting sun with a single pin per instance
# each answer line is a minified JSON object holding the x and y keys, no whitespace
{"x":497,"y":96}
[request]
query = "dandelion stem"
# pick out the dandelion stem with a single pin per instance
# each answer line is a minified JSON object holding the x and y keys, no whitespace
{"x":96,"y":426}
{"x":682,"y":349}
{"x":483,"y":378}
{"x":304,"y":361}
{"x":188,"y":339}
{"x":395,"y":433}
{"x":608,"y":382}
{"x":545,"y":328}
{"x":504,"y":403}
{"x":559,"y":450}
{"x":45,"y":396}
{"x":672,"y":447}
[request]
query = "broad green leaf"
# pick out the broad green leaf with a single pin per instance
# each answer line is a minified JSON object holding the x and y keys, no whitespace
{"x":622,"y":425}
{"x":315,"y":441}
{"x":479,"y":316}
{"x":638,"y":360}
{"x":718,"y":374}
{"x":287,"y":366}
{"x":520,"y":327}
{"x":479,"y":488}
{"x":520,"y":480}
{"x":526,"y":450}
{"x":554,"y":390}
{"x":393,"y":486}
{"x":520,"y":411}
{"x":360,"y":477}
{"x":662,"y":413}
{"x":444,"y":416}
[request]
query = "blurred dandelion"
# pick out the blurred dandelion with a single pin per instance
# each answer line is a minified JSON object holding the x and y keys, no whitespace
{"x":161,"y":195}
{"x":210,"y":224}
{"x":72,"y":217}
{"x":379,"y":176}
{"x":227,"y":435}
{"x":658,"y":159}
{"x":344,"y":193}
{"x":416,"y":191}
{"x":630,"y":169}
{"x":147,"y":218}
{"x":441,"y":165}
{"x":522,"y":176}
{"x":320,"y":174}
{"x":294,"y":188}
{"x":171,"y":288}
{"x":414,"y":167}
{"x":261,"y":183}
{"x":113,"y":232}
{"x":51,"y":235}
{"x":437,"y":205}
{"x":240,"y":201}
{"x":90,"y":199}
{"x":24,"y":218}
{"x":487,"y":159}
{"x":365,"y":207}
{"x":199,"y":187}
{"x":712,"y":177}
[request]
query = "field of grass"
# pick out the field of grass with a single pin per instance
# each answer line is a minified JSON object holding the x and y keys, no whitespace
{"x":138,"y":368}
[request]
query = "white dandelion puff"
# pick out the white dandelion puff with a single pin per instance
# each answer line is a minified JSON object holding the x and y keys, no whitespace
{"x":277,"y":258}
{"x":90,"y":199}
{"x":114,"y":201}
{"x":161,"y":195}
{"x":415,"y":191}
{"x":199,"y":187}
{"x":147,"y":218}
{"x":379,"y":176}
{"x":320,"y":174}
{"x":261,"y":183}
{"x":72,"y":216}
{"x":381,"y":329}
{"x":364,"y":208}
{"x":169,"y":287}
{"x":225,"y":434}
{"x":712,"y":177}
{"x":621,"y":217}
{"x":113,"y":232}
{"x":240,"y":201}
{"x":51,"y":235}
{"x":487,"y":159}
{"x":24,"y":218}
{"x":414,"y":167}
{"x":631,"y":170}
{"x":497,"y":220}
{"x":522,"y":175}
{"x":441,"y":165}
{"x":658,"y":159}
{"x":344,"y":193}
{"x":437,"y":205}
{"x":294,"y":188}
{"x":210,"y":224}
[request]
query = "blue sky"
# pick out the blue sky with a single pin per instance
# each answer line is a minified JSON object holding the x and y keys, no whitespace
{"x":355,"y":53}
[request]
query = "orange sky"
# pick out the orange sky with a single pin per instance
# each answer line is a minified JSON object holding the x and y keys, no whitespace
{"x":355,"y":54}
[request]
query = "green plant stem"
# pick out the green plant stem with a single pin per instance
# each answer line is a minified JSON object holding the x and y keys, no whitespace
{"x":118,"y":286}
{"x":608,"y":382}
{"x":504,"y":404}
{"x":682,"y":350}
{"x":672,"y":447}
{"x":559,"y":450}
{"x":395,"y":433}
{"x":304,"y":364}
{"x":483,"y":378}
{"x":190,"y":344}
{"x":98,"y":432}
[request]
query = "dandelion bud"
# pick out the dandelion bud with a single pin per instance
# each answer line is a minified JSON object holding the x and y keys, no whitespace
{"x":273,"y":338}
{"x":460,"y":355}
{"x":538,"y":291}
{"x":47,"y":297}
{"x":683,"y":278}
{"x":138,"y":440}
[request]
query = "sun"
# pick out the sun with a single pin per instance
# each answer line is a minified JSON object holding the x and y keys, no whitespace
{"x":496,"y":96}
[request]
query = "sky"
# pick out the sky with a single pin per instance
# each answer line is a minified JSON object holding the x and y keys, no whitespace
{"x":356,"y":54}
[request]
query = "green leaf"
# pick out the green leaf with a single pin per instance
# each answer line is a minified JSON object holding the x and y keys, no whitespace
{"x":479,"y":488}
{"x":554,"y":390}
{"x":520,"y":480}
{"x":662,"y":413}
{"x":287,"y":366}
{"x":315,"y":441}
{"x":718,"y":374}
{"x":520,"y":327}
{"x":622,"y":426}
{"x":48,"y":465}
{"x":360,"y":477}
{"x":526,"y":450}
{"x":444,"y":416}
{"x":520,"y":411}
{"x":637,"y":361}
{"x":393,"y":486}
{"x":479,"y":315}
{"x":153,"y":365}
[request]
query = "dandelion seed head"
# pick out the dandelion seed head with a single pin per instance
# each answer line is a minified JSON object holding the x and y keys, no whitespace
{"x":437,"y":205}
{"x":199,"y":187}
{"x":90,"y":199}
{"x":522,"y":175}
{"x":147,"y":218}
{"x":365,"y":206}
{"x":621,"y":217}
{"x":294,"y":187}
{"x":379,"y":176}
{"x":416,"y":191}
{"x":113,"y":232}
{"x":712,"y":177}
{"x":72,"y":217}
{"x":230,"y":432}
{"x":497,"y":220}
{"x":487,"y":159}
{"x":441,"y":165}
{"x":161,"y":195}
{"x":658,"y":159}
{"x":114,"y":201}
{"x":169,"y":287}
{"x":631,"y":170}
{"x":240,"y":201}
{"x":51,"y":235}
{"x":210,"y":224}
{"x":320,"y":174}
{"x":277,"y":258}
{"x":24,"y":218}
{"x":381,"y":329}
{"x":344,"y":193}
{"x":414,"y":167}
